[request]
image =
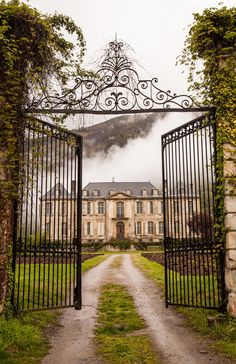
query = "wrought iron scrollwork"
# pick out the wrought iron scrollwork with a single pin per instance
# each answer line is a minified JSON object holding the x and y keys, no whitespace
{"x":116,"y":88}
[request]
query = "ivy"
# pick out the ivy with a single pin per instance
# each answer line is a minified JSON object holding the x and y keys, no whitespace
{"x":36,"y":58}
{"x":211,"y":42}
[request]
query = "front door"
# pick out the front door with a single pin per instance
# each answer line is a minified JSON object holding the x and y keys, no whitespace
{"x":120,"y":230}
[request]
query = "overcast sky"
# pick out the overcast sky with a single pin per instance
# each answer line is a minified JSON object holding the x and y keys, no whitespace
{"x":156,"y":30}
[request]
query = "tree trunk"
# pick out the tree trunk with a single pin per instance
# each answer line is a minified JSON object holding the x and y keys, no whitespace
{"x":6,"y":227}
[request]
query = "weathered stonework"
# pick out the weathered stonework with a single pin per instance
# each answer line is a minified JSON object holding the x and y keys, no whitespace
{"x":230,"y":224}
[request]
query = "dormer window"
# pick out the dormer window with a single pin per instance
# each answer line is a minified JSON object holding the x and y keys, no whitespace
{"x":154,"y":192}
{"x":95,"y":193}
{"x":144,"y":192}
{"x":85,"y":193}
{"x":128,"y":191}
{"x":112,"y":191}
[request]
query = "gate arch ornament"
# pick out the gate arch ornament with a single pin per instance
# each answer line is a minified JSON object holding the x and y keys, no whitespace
{"x":116,"y":88}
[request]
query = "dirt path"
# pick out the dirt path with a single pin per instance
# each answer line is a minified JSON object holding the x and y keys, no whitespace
{"x":73,"y":341}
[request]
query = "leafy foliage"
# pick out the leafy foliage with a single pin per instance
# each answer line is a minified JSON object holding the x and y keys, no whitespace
{"x":35,"y":57}
{"x":212,"y":43}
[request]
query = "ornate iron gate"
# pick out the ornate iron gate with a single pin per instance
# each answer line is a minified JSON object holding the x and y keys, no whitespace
{"x":47,"y":246}
{"x":194,"y":257}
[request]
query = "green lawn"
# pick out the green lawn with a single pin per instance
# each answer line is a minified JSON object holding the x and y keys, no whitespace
{"x":222,"y":333}
{"x":118,"y":337}
{"x":23,"y":339}
{"x":47,"y":285}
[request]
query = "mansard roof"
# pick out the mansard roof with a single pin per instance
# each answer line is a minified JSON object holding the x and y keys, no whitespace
{"x":57,"y":191}
{"x":104,"y":188}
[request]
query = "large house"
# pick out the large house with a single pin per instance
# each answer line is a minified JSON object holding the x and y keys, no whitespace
{"x":118,"y":210}
{"x":122,"y":210}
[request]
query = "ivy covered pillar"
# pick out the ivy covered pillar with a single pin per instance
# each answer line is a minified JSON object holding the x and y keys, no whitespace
{"x":210,"y":50}
{"x":230,"y":225}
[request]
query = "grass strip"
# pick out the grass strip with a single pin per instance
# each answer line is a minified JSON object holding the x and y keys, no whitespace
{"x":222,"y":333}
{"x":90,"y":263}
{"x":23,"y":340}
{"x":117,"y":333}
{"x":152,"y":270}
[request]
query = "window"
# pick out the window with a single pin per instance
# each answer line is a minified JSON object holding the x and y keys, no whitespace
{"x":161,"y":227}
{"x":88,"y":208}
{"x":144,"y":192}
{"x":64,"y":208}
{"x":95,"y":193}
{"x":120,"y":210}
{"x":128,"y":191}
{"x":190,"y":207}
{"x":176,"y":207}
{"x":151,"y":207}
{"x":161,"y":207}
{"x":101,"y":207}
{"x":64,"y":228}
{"x":139,"y":228}
{"x":89,"y":230}
{"x":150,"y":227}
{"x":101,"y":228}
{"x":85,"y":192}
{"x":47,"y":228}
{"x":139,"y":207}
{"x":176,"y":227}
{"x":48,"y":208}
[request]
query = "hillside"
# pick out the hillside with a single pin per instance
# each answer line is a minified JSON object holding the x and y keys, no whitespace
{"x":99,"y":138}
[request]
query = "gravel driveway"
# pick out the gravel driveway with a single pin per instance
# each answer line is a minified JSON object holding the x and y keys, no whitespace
{"x":72,"y":342}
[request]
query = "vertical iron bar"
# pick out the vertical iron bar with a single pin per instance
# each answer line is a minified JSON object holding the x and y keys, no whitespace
{"x":78,"y":296}
{"x":164,"y":183}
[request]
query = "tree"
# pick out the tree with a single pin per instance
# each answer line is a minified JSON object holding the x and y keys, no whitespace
{"x":35,"y":58}
{"x":201,"y":224}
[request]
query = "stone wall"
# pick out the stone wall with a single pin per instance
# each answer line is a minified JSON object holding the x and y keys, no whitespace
{"x":230,"y":224}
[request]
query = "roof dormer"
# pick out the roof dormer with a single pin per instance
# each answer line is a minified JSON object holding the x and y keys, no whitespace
{"x":143,"y":192}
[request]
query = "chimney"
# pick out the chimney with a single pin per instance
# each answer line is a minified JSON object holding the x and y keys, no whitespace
{"x":73,"y":186}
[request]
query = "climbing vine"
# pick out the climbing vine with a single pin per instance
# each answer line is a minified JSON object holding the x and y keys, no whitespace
{"x":211,"y":43}
{"x":36,"y":58}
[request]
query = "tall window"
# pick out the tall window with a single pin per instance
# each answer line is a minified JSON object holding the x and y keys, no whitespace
{"x":89,"y":229}
{"x":120,"y":210}
{"x":151,"y":207}
{"x":47,"y":228}
{"x":161,"y":207}
{"x":176,"y":227}
{"x":64,"y":208}
{"x":64,"y":228}
{"x":190,"y":207}
{"x":48,"y":208}
{"x":161,"y":227}
{"x":150,"y":227}
{"x":139,"y":228}
{"x":101,"y":207}
{"x":139,"y":207}
{"x":176,"y":206}
{"x":88,"y":208}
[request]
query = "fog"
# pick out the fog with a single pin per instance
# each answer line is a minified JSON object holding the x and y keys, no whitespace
{"x":139,"y":160}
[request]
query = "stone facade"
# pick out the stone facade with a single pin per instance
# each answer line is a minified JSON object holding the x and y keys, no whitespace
{"x":230,"y":224}
{"x":116,"y":210}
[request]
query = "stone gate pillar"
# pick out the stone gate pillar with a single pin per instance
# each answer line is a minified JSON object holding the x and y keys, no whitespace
{"x":230,"y":224}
